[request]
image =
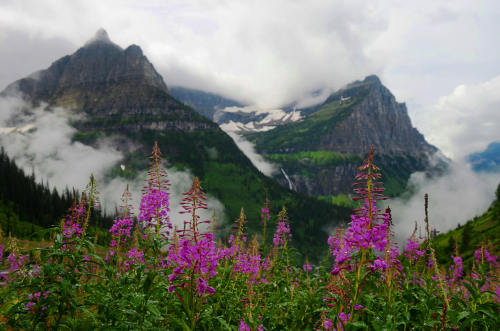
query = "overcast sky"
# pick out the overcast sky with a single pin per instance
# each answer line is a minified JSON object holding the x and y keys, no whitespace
{"x":440,"y":57}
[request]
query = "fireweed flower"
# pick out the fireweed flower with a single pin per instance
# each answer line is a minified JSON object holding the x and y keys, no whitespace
{"x":253,"y":266}
{"x":483,"y":254}
{"x":456,"y":269}
{"x":16,"y":261}
{"x":244,"y":326}
{"x":412,"y":252}
{"x":154,"y":205}
{"x":122,"y":230}
{"x":194,"y":199}
{"x":134,"y":257}
{"x":282,"y":232}
{"x":154,"y":208}
{"x":328,"y":324}
{"x":307,"y":267}
{"x":199,"y":258}
{"x":72,"y":226}
{"x":362,"y":233}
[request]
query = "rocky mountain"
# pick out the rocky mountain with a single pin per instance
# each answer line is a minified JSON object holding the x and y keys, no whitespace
{"x":120,"y":95}
{"x":320,"y":154}
{"x":117,"y":87}
{"x":487,"y":160}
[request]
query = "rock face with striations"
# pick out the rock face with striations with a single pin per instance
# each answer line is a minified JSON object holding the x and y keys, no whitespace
{"x":321,"y":153}
{"x":112,"y":85}
{"x":379,"y":120}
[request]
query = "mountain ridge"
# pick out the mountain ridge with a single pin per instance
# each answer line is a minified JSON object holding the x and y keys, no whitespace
{"x":321,"y":152}
{"x":120,"y":96}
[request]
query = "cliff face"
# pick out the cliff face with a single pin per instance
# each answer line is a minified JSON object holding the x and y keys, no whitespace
{"x":321,"y":153}
{"x":379,"y":120}
{"x":112,"y":85}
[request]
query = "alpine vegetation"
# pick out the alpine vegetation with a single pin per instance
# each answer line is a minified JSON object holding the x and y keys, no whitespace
{"x":153,"y":274}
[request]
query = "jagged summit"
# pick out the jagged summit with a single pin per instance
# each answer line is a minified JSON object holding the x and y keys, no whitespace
{"x":321,"y":153}
{"x":99,"y":70}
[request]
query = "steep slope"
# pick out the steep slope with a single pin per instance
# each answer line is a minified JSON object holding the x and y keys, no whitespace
{"x":320,"y":154}
{"x":120,"y":95}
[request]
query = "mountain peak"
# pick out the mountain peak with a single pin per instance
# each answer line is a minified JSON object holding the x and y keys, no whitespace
{"x":100,"y":37}
{"x":372,"y":79}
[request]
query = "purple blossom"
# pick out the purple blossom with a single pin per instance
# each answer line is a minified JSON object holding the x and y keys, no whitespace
{"x":243,"y":326}
{"x":265,"y":215}
{"x":479,"y":253}
{"x":280,"y":235}
{"x":456,"y":269}
{"x":154,"y":209}
{"x":307,"y":267}
{"x":343,"y":317}
{"x":134,"y":257}
{"x":379,"y":264}
{"x":363,"y":233}
{"x":199,"y":257}
{"x":251,"y":265}
{"x":328,"y":324}
{"x":202,"y":286}
{"x":122,"y":228}
{"x":16,"y":261}
{"x":412,"y":252}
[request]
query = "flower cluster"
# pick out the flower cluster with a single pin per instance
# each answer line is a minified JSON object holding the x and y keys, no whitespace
{"x":194,"y":259}
{"x":412,"y":252}
{"x":35,"y":300}
{"x":154,"y":208}
{"x":281,"y":234}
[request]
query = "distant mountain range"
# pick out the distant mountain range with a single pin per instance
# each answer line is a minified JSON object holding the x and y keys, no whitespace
{"x":121,"y":95}
{"x":319,"y":148}
{"x":487,"y":160}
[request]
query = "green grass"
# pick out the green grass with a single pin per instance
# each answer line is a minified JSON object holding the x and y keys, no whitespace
{"x":341,"y":200}
{"x":302,"y":135}
{"x":314,"y":158}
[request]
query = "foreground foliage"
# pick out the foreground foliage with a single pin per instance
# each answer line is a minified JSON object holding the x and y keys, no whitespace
{"x":154,"y":275}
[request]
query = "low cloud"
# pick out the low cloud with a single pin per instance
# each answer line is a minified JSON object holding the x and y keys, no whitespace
{"x":40,"y":141}
{"x":180,"y":182}
{"x":454,"y":198}
{"x":248,"y":149}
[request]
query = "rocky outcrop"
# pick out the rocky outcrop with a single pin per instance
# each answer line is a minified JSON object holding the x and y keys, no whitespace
{"x":114,"y":86}
{"x":379,"y":120}
{"x":322,"y":152}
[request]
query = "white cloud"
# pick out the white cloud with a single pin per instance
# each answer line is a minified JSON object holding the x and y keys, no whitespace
{"x":248,"y":149}
{"x":454,"y":198}
{"x":270,"y":53}
{"x":465,"y":121}
{"x":49,"y":152}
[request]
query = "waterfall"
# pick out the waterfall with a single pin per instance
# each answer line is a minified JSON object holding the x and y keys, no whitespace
{"x":290,"y":185}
